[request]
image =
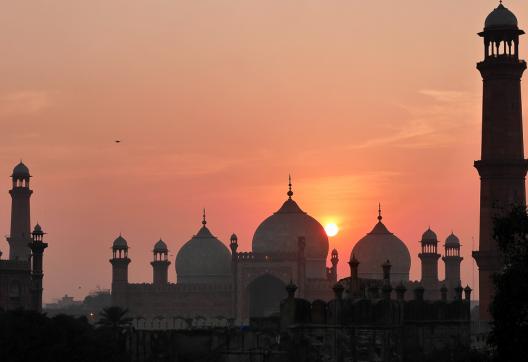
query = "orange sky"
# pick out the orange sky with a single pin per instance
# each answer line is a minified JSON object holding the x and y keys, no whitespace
{"x":216,"y":101}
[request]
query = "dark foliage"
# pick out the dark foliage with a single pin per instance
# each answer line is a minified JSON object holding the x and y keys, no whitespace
{"x":114,"y":318}
{"x":509,"y":308}
{"x":30,"y":336}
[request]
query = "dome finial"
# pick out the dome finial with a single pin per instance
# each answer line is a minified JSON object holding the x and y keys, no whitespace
{"x":204,"y":222}
{"x":379,"y":212}
{"x":290,"y":192}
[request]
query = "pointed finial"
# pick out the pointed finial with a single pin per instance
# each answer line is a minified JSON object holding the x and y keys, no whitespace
{"x":290,"y":192}
{"x":379,"y":212}
{"x":204,"y":222}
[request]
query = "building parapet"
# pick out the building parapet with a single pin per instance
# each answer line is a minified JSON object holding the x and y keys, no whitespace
{"x":180,"y":287}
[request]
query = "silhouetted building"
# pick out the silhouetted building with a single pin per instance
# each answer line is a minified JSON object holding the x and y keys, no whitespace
{"x":90,"y":307}
{"x":502,"y":167}
{"x":214,"y":284}
{"x":343,"y":328}
{"x":21,"y":275}
{"x":376,"y":327}
{"x":212,"y":281}
{"x":380,"y":245}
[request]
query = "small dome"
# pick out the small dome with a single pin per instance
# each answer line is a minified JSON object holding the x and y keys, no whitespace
{"x":429,"y":236}
{"x":234,"y":237}
{"x":378,"y":246}
{"x":160,"y":247}
{"x":120,"y":243}
{"x":452,"y":240}
{"x":20,"y":171}
{"x":203,"y":259}
{"x":501,"y":17}
{"x":37,"y":229}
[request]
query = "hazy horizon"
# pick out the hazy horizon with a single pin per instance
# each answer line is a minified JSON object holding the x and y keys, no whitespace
{"x":216,"y":102}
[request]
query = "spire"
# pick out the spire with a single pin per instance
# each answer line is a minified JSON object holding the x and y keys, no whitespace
{"x":290,"y":192}
{"x":204,"y":222}
{"x":379,"y":212}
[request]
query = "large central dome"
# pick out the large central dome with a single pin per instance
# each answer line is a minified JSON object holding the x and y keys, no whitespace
{"x":280,"y":232}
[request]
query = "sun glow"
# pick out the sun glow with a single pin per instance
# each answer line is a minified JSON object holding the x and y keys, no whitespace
{"x":331,"y":229}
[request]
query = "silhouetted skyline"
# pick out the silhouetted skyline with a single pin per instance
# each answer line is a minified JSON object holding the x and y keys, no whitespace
{"x":215,"y":104}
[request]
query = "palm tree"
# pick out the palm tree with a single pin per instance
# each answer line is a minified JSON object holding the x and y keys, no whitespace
{"x":114,"y":318}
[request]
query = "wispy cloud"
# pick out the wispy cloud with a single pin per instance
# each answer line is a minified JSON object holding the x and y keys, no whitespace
{"x":431,"y":124}
{"x":445,"y":95}
{"x":25,"y":102}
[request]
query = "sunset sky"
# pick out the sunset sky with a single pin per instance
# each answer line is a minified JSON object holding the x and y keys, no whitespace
{"x":217,"y":101}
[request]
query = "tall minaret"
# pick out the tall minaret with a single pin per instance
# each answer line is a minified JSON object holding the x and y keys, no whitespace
{"x":20,"y":235}
{"x":160,"y":264}
{"x":452,"y":260}
{"x":429,"y":257}
{"x":502,"y":167}
{"x":119,"y":263}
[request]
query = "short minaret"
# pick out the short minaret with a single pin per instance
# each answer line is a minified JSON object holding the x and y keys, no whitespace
{"x":160,"y":264}
{"x":386,"y":288}
{"x":20,"y":235}
{"x":353,"y":288}
{"x":301,"y":264}
{"x":452,"y":260}
{"x":334,"y":259}
{"x":37,"y":247}
{"x":429,"y":258}
{"x":233,"y":244}
{"x":502,"y":167}
{"x":119,"y":263}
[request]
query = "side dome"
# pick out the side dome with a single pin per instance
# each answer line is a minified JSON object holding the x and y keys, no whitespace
{"x":21,"y":171}
{"x":452,"y":240}
{"x":501,"y":17}
{"x":203,"y":259}
{"x":160,"y":247}
{"x":280,"y":232}
{"x":120,"y":243}
{"x":378,"y":246}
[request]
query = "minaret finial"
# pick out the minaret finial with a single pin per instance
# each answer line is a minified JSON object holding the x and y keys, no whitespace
{"x":379,"y":212}
{"x":204,"y":222}
{"x":290,"y":192}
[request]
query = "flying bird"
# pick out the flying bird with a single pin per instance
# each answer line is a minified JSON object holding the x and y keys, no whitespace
{"x":117,"y":141}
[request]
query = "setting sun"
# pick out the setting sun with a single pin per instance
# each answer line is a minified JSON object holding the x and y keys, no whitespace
{"x":331,"y":229}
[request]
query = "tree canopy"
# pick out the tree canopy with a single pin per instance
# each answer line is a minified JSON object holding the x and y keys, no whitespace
{"x":509,"y":309}
{"x":31,"y":336}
